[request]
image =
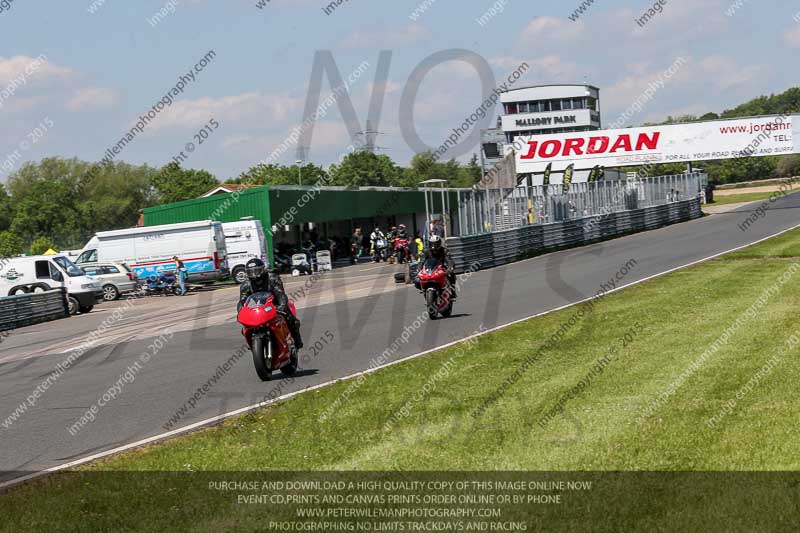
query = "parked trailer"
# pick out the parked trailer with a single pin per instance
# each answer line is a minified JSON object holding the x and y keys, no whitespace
{"x":244,"y":240}
{"x":41,"y":273}
{"x":149,"y":250}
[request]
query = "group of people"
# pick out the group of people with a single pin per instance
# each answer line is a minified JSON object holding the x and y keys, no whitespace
{"x":385,"y":243}
{"x":261,"y":279}
{"x":361,"y":244}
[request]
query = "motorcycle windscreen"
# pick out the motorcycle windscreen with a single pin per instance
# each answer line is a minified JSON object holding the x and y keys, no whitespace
{"x":257,"y":310}
{"x":431,"y":264}
{"x":258,"y":300}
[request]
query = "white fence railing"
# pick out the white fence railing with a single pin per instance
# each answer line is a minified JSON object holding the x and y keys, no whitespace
{"x":491,"y":210}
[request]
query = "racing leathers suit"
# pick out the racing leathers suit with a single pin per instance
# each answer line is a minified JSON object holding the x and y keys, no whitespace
{"x":441,"y":254}
{"x":271,"y":282}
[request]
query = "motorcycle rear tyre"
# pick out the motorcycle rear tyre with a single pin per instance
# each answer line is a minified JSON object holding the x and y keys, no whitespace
{"x":449,"y":311}
{"x":291,"y":368}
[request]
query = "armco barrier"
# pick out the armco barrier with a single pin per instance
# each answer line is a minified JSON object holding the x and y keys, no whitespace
{"x":493,"y":249}
{"x":33,"y":308}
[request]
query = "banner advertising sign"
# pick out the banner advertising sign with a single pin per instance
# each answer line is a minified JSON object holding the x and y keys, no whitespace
{"x":568,"y":177}
{"x":698,"y":141}
{"x":547,"y":170}
{"x":593,"y":174}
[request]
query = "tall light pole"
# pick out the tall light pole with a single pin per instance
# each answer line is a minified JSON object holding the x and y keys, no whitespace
{"x":299,"y":162}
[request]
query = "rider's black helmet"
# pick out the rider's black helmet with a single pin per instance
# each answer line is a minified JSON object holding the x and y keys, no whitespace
{"x":255,"y":268}
{"x":435,"y":242}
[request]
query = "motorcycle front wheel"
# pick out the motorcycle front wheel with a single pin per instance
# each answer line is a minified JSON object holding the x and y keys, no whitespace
{"x":430,"y":302}
{"x":260,"y":361}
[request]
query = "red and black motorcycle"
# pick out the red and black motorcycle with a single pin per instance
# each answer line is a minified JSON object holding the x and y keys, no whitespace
{"x":401,"y":250}
{"x":268,"y":336}
{"x":432,"y":282}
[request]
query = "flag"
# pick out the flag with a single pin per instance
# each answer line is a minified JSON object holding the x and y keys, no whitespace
{"x":593,"y":174}
{"x":568,"y":177}
{"x":546,"y":179}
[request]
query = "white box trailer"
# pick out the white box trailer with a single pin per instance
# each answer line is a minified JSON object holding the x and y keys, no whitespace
{"x":39,"y":273}
{"x":148,"y":251}
{"x":244,"y":240}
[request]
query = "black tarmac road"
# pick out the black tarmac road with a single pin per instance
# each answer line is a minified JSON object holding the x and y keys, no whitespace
{"x":361,"y":324}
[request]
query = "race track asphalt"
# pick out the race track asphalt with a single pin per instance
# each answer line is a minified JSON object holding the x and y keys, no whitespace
{"x":362,"y":328}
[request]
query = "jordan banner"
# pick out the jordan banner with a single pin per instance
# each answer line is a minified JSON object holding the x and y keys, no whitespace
{"x":696,"y":141}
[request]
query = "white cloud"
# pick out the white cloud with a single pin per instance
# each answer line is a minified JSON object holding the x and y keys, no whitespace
{"x":547,"y":69}
{"x":31,"y":68}
{"x":407,"y":35}
{"x":327,"y":134}
{"x":92,"y":98}
{"x":679,"y":18}
{"x":20,"y":104}
{"x":389,"y":87}
{"x":725,"y":73}
{"x":253,"y":108}
{"x":546,"y":29}
{"x":716,"y":74}
{"x":792,"y":36}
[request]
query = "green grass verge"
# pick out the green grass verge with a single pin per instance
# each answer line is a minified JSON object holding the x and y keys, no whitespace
{"x":759,"y":183}
{"x":784,"y":246}
{"x":669,"y":321}
{"x":740,"y":198}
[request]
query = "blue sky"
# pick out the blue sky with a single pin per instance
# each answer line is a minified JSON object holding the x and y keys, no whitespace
{"x":104,"y":69}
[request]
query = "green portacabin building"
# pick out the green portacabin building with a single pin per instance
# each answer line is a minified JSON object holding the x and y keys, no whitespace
{"x":334,"y":210}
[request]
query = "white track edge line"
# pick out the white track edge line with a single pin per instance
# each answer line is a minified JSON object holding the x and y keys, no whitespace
{"x":218,"y":418}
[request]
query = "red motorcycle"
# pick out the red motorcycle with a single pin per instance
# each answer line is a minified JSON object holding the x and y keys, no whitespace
{"x":434,"y":286}
{"x":268,"y":336}
{"x":401,"y":250}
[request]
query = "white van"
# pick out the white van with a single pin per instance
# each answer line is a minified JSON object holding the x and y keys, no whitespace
{"x":149,"y":250}
{"x":245,"y":240}
{"x":39,"y":273}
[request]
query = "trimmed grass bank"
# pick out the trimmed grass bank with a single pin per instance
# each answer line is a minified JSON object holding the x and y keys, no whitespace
{"x":741,"y":198}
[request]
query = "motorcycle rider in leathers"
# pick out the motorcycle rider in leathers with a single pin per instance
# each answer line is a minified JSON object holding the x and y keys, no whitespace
{"x":402,"y":234}
{"x":259,"y":279}
{"x":439,"y":252}
{"x":374,"y":237}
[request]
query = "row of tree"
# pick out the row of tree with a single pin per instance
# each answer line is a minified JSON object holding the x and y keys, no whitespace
{"x":61,"y":203}
{"x":365,"y":169}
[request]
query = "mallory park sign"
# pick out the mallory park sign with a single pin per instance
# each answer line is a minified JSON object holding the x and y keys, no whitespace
{"x":547,"y":121}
